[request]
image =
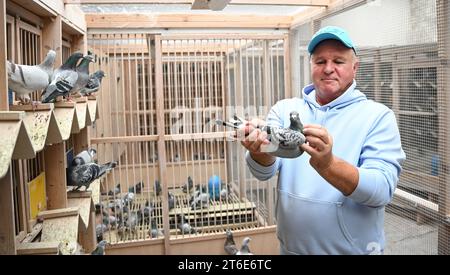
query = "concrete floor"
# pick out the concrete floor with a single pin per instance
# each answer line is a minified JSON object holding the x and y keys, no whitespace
{"x":405,"y":237}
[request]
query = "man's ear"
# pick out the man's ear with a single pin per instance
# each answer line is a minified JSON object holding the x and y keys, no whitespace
{"x":355,"y":68}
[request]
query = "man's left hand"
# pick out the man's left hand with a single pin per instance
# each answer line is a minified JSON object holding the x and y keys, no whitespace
{"x":318,"y":145}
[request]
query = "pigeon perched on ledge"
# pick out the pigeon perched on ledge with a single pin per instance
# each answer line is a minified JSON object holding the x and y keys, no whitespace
{"x":230,"y":245}
{"x":63,"y":79}
{"x":83,"y":73}
{"x":93,"y":84}
{"x":85,"y":174}
{"x":25,"y":79}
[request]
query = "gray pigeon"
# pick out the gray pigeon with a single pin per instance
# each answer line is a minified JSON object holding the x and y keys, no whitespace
{"x":86,"y":156}
{"x":93,"y":84}
{"x":112,"y":192}
{"x":63,"y":79}
{"x":83,"y":73}
{"x":186,"y":188}
{"x":154,"y":231}
{"x":245,"y":250}
{"x":99,"y":229}
{"x":171,"y":200}
{"x":157,"y":188}
{"x":100,"y":249}
{"x":25,"y":79}
{"x":137,"y":189}
{"x":285,"y":142}
{"x":85,"y":174}
{"x":184,"y":225}
{"x":230,"y":245}
{"x":200,"y":200}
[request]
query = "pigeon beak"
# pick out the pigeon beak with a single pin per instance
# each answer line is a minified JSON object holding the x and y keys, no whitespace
{"x":91,"y":58}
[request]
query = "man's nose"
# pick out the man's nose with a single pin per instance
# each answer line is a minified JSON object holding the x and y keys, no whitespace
{"x":329,"y":68}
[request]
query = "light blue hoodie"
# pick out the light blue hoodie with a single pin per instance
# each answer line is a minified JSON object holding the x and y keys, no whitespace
{"x":313,"y":217}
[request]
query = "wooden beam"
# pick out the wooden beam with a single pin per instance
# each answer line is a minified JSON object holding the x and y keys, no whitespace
{"x":18,"y":11}
{"x":189,"y":2}
{"x":38,"y":248}
{"x":127,"y":2}
{"x":161,"y":140}
{"x":7,"y":223}
{"x":316,"y":12}
{"x":57,"y":213}
{"x":314,"y":3}
{"x":81,"y":141}
{"x":4,"y":105}
{"x":55,"y":176}
{"x":88,"y":238}
{"x":52,"y":38}
{"x":120,"y":20}
{"x":37,"y":7}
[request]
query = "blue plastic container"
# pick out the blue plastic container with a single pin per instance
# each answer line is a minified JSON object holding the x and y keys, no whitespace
{"x":214,"y":187}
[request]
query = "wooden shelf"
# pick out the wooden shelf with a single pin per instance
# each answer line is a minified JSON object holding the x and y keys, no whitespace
{"x":92,"y":108}
{"x":41,"y":124}
{"x":65,"y":117}
{"x":81,"y":114}
{"x":16,"y":143}
{"x":38,"y":248}
{"x":84,"y":205}
{"x":62,"y":228}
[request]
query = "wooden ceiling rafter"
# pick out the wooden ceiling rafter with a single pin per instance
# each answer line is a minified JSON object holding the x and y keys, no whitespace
{"x":314,"y":3}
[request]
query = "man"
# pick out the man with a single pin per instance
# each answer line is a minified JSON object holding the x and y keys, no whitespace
{"x":331,"y":200}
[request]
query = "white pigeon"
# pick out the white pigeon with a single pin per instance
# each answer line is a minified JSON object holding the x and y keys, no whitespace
{"x":245,"y":250}
{"x":25,"y":79}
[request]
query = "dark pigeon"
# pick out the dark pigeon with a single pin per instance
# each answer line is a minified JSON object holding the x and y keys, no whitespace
{"x":63,"y":79}
{"x":85,"y":174}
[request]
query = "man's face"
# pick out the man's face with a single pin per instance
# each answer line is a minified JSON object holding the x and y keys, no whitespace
{"x":333,"y":70}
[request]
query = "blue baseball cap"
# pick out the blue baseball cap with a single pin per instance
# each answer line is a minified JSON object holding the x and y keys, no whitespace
{"x":331,"y":32}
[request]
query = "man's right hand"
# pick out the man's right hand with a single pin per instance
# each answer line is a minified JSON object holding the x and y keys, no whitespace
{"x":252,"y":137}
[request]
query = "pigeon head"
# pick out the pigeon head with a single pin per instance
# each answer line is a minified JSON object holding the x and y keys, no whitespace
{"x":245,"y":249}
{"x":77,"y":161}
{"x":49,"y":59}
{"x":73,"y":60}
{"x":92,"y":152}
{"x":230,"y":235}
{"x":100,"y":74}
{"x":296,"y":124}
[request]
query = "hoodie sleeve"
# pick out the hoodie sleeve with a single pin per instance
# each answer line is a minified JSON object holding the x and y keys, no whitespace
{"x":380,"y":163}
{"x":274,"y":118}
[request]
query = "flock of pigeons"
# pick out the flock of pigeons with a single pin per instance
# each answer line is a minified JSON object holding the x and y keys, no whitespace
{"x":118,"y":213}
{"x":284,"y":142}
{"x":70,"y":78}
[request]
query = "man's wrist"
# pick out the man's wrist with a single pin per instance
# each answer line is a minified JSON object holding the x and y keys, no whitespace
{"x":263,"y":159}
